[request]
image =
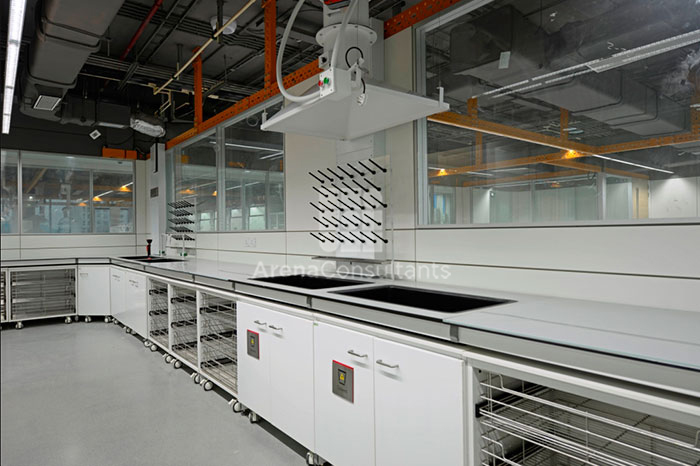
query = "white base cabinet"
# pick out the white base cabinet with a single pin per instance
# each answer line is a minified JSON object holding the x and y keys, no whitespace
{"x":276,"y":377}
{"x":117,"y":292}
{"x":93,"y":290}
{"x":129,"y":299}
{"x":406,"y":408}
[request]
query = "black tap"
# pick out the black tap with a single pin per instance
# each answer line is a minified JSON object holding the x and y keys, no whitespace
{"x":148,"y":247}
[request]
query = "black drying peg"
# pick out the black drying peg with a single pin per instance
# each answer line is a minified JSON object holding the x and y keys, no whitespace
{"x":356,"y":170}
{"x":330,"y":221}
{"x":368,"y":237}
{"x":341,"y":221}
{"x":363,"y":188}
{"x":353,"y":223}
{"x":373,"y":185}
{"x":338,"y":239}
{"x":357,"y":237}
{"x":316,"y":207}
{"x":325,"y":206}
{"x":319,"y":221}
{"x":385,"y":240}
{"x":329,"y":191}
{"x":319,"y":191}
{"x":360,"y":220}
{"x":369,"y":203}
{"x":327,"y":239}
{"x":320,"y":239}
{"x":336,"y":206}
{"x":326,"y":176}
{"x":335,"y":174}
{"x":383,"y":205}
{"x":349,"y":207}
{"x":336,"y":187}
{"x":358,"y":205}
{"x":367,"y":168}
{"x":378,"y":166}
{"x":372,"y":218}
{"x":350,"y":175}
{"x":349,"y":239}
{"x":350,"y":187}
{"x":317,"y":178}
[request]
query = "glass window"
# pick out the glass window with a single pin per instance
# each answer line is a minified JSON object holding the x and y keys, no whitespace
{"x":254,"y":177}
{"x":194,"y":175}
{"x":113,"y":199}
{"x":8,"y":180}
{"x":561,"y":113}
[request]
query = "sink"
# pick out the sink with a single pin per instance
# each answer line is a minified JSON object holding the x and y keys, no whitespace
{"x":423,"y":299}
{"x":150,"y":259}
{"x":310,"y":282}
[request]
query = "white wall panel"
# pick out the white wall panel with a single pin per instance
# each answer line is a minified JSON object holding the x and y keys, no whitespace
{"x":253,"y":242}
{"x":60,"y":253}
{"x":76,"y":241}
{"x":674,"y":198}
{"x":9,"y":254}
{"x":10,"y":241}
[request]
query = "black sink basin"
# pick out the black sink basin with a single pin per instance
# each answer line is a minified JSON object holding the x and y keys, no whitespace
{"x":423,"y":299}
{"x":311,"y":282}
{"x":150,"y":259}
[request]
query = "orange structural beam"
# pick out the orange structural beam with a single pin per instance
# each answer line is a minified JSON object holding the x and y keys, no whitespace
{"x":270,"y":7}
{"x":587,"y":167}
{"x":543,"y":158}
{"x":530,"y":177}
{"x":415,"y":14}
{"x":647,"y":143}
{"x":198,"y":105}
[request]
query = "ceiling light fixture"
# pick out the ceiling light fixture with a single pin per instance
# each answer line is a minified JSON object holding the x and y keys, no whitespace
{"x":632,"y":163}
{"x":14,"y":40}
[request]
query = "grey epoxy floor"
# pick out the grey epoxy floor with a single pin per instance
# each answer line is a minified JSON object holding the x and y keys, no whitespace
{"x":89,"y":394}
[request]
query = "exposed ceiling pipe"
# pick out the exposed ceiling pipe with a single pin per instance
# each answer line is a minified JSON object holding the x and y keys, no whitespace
{"x":141,"y":28}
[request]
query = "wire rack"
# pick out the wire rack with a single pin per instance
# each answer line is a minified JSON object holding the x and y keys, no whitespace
{"x":218,"y":340}
{"x":183,"y":323}
{"x":3,"y":297}
{"x":536,"y":425}
{"x":158,"y":328}
{"x":42,"y":293}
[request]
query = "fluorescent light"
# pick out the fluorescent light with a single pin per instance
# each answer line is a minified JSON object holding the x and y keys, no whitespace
{"x":274,"y":155}
{"x":461,"y":173}
{"x":14,"y":40}
{"x":127,"y":185}
{"x":632,"y":163}
{"x":244,"y":146}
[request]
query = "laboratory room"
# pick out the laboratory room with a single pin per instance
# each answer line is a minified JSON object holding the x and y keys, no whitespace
{"x":350,"y":233}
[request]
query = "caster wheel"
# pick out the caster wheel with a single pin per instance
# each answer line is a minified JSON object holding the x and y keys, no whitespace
{"x":197,"y":379}
{"x":207,"y":385}
{"x":154,"y":348}
{"x":147,"y":343}
{"x":168,"y":359}
{"x":238,"y":407}
{"x":68,"y":320}
{"x":312,"y":459}
{"x":19,"y":325}
{"x":253,"y":418}
{"x":106,"y":320}
{"x":177,"y":364}
{"x":88,"y":319}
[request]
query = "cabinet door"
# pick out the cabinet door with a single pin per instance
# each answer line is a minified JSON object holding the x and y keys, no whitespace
{"x":419,"y":407}
{"x":254,"y":369}
{"x":344,"y":428}
{"x":117,"y":292}
{"x":292,"y":376}
{"x":136,"y":315}
{"x":93,"y":280}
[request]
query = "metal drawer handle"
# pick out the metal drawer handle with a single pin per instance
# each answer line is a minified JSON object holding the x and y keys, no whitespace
{"x":264,"y":324}
{"x":276,"y":328}
{"x":390,"y":366}
{"x":353,"y":353}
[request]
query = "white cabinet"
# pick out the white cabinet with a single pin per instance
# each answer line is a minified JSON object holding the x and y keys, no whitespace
{"x":93,"y":290}
{"x":344,"y":428}
{"x":419,"y":406}
{"x":117,"y":292}
{"x":275,"y":378}
{"x":135,"y":312}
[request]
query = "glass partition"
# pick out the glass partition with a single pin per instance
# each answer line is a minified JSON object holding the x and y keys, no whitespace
{"x":113,"y":199}
{"x":561,"y":113}
{"x":195,"y":180}
{"x":8,"y":180}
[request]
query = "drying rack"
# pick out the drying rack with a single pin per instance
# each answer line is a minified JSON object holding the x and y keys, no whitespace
{"x":183,"y":324}
{"x":158,"y":327}
{"x":181,"y":221}
{"x":218,"y":340}
{"x":37,"y":294}
{"x":3,"y":297}
{"x":529,"y":424}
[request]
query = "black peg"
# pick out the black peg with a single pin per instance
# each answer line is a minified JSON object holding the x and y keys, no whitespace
{"x":372,"y":218}
{"x":357,"y":237}
{"x":329,"y":191}
{"x":368,"y":237}
{"x":336,"y":206}
{"x":330,"y":221}
{"x":356,"y":170}
{"x":369,"y":203}
{"x":341,"y":222}
{"x":349,"y":239}
{"x":326,"y":176}
{"x":383,"y":239}
{"x":335,"y":174}
{"x":363,"y":188}
{"x":319,"y":221}
{"x":374,"y":185}
{"x":378,"y":166}
{"x":319,"y":239}
{"x":383,"y":205}
{"x":340,"y":240}
{"x":350,"y":187}
{"x":367,"y":168}
{"x":316,"y":207}
{"x":358,"y":205}
{"x":360,"y":220}
{"x":327,"y":239}
{"x":319,"y":191}
{"x":317,"y":178}
{"x":336,"y":187}
{"x":350,"y":175}
{"x":353,"y":223}
{"x":325,"y":206}
{"x":348,"y":207}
